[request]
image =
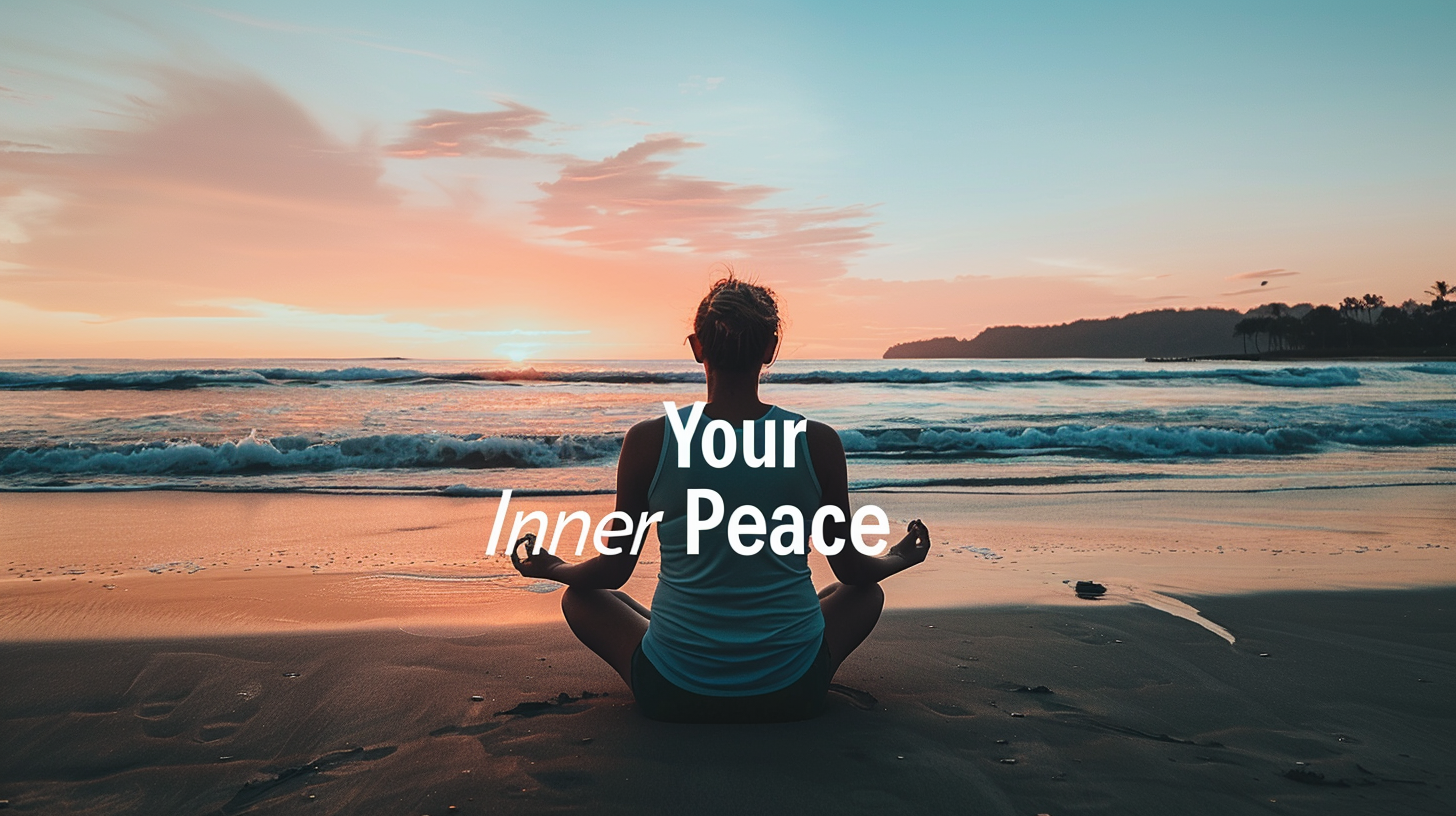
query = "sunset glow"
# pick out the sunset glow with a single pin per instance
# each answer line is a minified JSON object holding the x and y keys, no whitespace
{"x":563,"y":181}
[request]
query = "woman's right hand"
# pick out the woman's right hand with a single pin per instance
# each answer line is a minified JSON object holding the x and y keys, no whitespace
{"x":534,"y":564}
{"x":915,"y":545}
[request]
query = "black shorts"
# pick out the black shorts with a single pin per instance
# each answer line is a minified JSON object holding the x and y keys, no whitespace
{"x":661,"y":699}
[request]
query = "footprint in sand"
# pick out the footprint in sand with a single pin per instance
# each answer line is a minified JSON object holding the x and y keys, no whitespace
{"x":290,"y":780}
{"x":157,"y":710}
{"x":862,"y":700}
{"x":948,"y":710}
{"x":560,"y":704}
{"x":157,"y":718}
{"x":214,"y":731}
{"x":466,"y":730}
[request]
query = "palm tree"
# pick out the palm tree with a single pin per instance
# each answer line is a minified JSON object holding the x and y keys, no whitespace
{"x":1243,"y":329}
{"x":1252,"y":327}
{"x":1370,"y":303}
{"x":1439,"y":291}
{"x":1348,"y":307}
{"x":1322,"y":327}
{"x":1274,"y":325}
{"x":1291,"y":331}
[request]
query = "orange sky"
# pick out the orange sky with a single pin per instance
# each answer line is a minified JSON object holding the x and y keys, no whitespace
{"x":228,"y":223}
{"x":191,"y":204}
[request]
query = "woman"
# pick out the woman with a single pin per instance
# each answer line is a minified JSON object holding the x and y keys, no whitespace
{"x":730,"y":637}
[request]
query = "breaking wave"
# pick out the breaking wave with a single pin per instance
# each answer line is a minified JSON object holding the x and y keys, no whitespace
{"x":255,"y":455}
{"x":1141,"y":442}
{"x":181,"y":379}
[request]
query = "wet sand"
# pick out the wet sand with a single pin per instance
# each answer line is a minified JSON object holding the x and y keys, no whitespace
{"x":202,"y":564}
{"x":197,"y":653}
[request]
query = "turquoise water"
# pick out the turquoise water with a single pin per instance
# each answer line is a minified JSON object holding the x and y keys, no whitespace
{"x":476,"y":427}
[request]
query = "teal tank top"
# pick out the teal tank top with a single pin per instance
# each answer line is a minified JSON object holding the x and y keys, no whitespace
{"x":726,"y":624}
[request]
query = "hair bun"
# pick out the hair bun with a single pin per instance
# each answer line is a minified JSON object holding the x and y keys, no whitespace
{"x":736,"y":323}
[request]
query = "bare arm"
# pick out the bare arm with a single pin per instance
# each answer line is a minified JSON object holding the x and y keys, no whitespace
{"x":638,"y":462}
{"x":850,"y":565}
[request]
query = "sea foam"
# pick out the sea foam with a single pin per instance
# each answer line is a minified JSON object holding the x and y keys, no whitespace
{"x":254,"y":454}
{"x":1141,"y":442}
{"x":181,"y":379}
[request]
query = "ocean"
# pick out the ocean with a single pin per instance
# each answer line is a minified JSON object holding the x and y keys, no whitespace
{"x":474,"y":428}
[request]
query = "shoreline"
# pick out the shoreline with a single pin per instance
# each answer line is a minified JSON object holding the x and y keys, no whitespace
{"x":1011,"y":486}
{"x":1284,"y":356}
{"x":201,"y":564}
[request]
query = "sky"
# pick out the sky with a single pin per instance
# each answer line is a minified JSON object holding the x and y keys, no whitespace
{"x":556,"y":180}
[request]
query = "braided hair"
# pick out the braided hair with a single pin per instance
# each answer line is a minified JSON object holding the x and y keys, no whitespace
{"x":736,"y":323}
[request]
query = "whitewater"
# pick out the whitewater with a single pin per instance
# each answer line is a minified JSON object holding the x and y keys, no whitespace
{"x":474,"y":428}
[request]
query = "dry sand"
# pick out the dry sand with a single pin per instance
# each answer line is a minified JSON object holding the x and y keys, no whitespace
{"x":331,"y":687}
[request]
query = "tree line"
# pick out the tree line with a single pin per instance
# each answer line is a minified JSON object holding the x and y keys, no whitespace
{"x":1364,"y":323}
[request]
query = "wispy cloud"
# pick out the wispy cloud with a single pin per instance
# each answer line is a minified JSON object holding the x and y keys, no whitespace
{"x":699,"y":85}
{"x":447,"y":133}
{"x":1264,"y":274}
{"x":218,"y":217}
{"x":634,"y":201}
{"x":352,"y":36}
{"x":6,"y":144}
{"x":1082,"y":265}
{"x":234,"y":133}
{"x":218,"y":191}
{"x":260,"y":22}
{"x":376,"y":325}
{"x":15,"y":95}
{"x":414,"y":52}
{"x":1264,"y":289}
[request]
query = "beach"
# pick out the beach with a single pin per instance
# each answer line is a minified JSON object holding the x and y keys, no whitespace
{"x":263,"y":586}
{"x":245,"y":653}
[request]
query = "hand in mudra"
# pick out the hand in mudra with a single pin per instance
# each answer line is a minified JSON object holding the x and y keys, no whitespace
{"x":915,"y":545}
{"x":533,"y":564}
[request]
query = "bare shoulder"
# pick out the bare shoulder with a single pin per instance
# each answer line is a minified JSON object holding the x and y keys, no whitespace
{"x":648,"y":428}
{"x":825,"y":449}
{"x":645,"y":437}
{"x":822,"y":437}
{"x":641,"y":448}
{"x":827,"y":454}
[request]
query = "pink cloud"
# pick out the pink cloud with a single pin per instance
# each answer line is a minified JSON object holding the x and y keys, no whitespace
{"x":224,"y":191}
{"x":633,"y":201}
{"x":236,"y":133}
{"x":447,"y":133}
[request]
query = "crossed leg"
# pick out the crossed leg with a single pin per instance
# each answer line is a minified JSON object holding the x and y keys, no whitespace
{"x":850,"y":614}
{"x":611,"y":623}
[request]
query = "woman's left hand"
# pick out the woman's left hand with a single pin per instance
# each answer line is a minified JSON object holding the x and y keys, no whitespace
{"x":534,"y":564}
{"x":915,"y":545}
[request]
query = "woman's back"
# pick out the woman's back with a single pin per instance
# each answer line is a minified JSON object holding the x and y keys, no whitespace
{"x":731,"y":637}
{"x":724,"y":623}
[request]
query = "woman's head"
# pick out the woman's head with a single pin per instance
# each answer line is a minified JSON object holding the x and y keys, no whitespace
{"x":737,"y":325}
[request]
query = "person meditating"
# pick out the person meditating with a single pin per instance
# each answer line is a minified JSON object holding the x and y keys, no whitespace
{"x":730,"y":637}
